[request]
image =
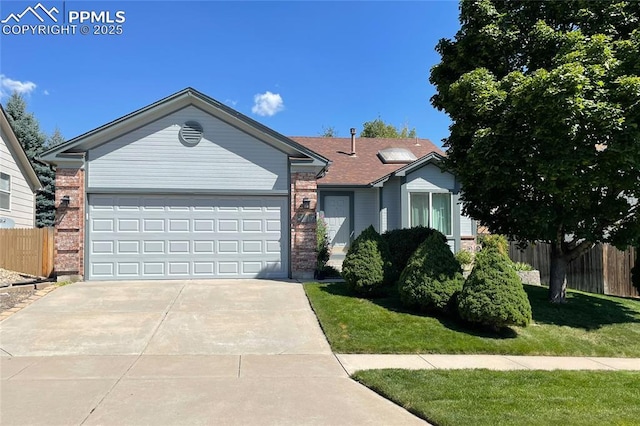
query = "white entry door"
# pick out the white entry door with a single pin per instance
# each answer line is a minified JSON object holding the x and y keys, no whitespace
{"x":337,"y":216}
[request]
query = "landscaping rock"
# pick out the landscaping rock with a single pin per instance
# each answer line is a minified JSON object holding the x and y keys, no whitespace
{"x":530,"y":277}
{"x":9,"y":277}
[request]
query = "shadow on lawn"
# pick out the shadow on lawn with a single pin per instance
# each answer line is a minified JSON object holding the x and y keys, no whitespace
{"x":586,"y":311}
{"x":390,"y":300}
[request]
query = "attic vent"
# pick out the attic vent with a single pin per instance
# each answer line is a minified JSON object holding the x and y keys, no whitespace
{"x":396,"y":156}
{"x":191,"y":133}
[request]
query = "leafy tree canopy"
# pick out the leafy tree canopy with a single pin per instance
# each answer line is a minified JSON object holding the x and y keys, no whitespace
{"x":545,"y":103}
{"x":329,"y":132}
{"x":379,"y":129}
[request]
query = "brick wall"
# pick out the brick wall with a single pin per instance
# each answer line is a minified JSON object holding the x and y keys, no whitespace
{"x":468,"y":243}
{"x":69,"y":236}
{"x":303,"y":225}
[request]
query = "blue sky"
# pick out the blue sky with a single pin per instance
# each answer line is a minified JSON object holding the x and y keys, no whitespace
{"x":295,"y":66}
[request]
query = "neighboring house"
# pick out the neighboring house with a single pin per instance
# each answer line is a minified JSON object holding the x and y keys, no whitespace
{"x":390,"y":184}
{"x":185,"y":188}
{"x":18,"y":181}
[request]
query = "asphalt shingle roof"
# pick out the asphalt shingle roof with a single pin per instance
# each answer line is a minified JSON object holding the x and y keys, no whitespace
{"x":366,"y":167}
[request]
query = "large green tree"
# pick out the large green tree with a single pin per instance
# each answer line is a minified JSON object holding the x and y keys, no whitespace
{"x":329,"y":132}
{"x":379,"y":129}
{"x":27,"y":130}
{"x":544,"y":97}
{"x":55,"y":139}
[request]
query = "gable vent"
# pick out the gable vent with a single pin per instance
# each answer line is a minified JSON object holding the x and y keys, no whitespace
{"x":191,"y":133}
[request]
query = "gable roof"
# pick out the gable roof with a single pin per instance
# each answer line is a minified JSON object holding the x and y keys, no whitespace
{"x":365,"y":168}
{"x":23,"y":161}
{"x":72,"y":149}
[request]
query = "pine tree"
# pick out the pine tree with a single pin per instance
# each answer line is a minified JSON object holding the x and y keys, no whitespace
{"x":55,"y":139}
{"x":27,"y":130}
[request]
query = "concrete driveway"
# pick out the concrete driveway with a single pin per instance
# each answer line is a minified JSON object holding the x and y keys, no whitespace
{"x":178,"y":352}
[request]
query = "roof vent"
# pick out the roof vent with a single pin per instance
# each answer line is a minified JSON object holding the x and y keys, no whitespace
{"x":191,"y":133}
{"x":396,"y":156}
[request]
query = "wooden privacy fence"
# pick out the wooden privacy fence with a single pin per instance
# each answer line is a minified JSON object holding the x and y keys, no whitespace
{"x":603,"y":269}
{"x":29,"y":251}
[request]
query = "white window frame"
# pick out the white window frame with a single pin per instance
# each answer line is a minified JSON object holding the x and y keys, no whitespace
{"x":5,"y":191}
{"x":430,"y":215}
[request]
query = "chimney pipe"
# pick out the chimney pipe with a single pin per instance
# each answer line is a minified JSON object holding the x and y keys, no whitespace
{"x":353,"y":141}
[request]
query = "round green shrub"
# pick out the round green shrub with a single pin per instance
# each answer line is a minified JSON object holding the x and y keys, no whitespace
{"x":464,"y":257}
{"x":403,"y":243}
{"x":522,"y":266}
{"x":495,"y":241}
{"x":493,"y":295}
{"x":366,"y":267}
{"x":432,"y":276}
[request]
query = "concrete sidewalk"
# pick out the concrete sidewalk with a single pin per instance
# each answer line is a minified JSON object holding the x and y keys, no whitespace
{"x":226,"y":352}
{"x":188,"y":390}
{"x":200,"y":352}
{"x":354,"y":362}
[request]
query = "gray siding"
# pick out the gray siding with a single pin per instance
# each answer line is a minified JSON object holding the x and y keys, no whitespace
{"x":466,"y":228}
{"x":391,"y":203}
{"x":366,"y":210}
{"x":22,"y":209}
{"x":430,"y":178}
{"x":153,"y":157}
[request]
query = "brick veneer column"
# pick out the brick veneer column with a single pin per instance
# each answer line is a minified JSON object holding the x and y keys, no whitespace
{"x":303,"y":225}
{"x":69,"y":235}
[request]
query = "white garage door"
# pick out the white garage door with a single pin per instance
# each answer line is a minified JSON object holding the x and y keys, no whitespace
{"x":176,"y":237}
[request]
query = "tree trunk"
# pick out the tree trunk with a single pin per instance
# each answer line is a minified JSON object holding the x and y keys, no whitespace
{"x":558,"y":278}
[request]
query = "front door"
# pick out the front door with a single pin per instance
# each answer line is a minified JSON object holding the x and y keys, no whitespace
{"x":337,"y":216}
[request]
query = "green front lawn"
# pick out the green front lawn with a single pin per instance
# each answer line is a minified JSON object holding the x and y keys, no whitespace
{"x":483,"y":397}
{"x":588,"y":325}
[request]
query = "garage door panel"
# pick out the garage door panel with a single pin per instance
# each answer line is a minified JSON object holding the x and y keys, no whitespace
{"x":102,"y":225}
{"x":102,"y":247}
{"x":204,"y":247}
{"x":204,"y":225}
{"x":128,"y":225}
{"x":128,"y":247}
{"x":151,"y":237}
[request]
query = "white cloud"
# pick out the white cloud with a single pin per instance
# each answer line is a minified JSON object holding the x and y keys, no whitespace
{"x":231,"y":102}
{"x":267,"y":104}
{"x":46,"y":92}
{"x":8,"y":86}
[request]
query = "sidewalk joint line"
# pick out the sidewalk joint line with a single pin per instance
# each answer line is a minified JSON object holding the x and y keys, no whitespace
{"x":335,"y":355}
{"x":110,"y":390}
{"x":422,"y":357}
{"x":601,"y":363}
{"x":524,"y":367}
{"x":239,"y":365}
{"x":135,"y":361}
{"x":164,"y":317}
